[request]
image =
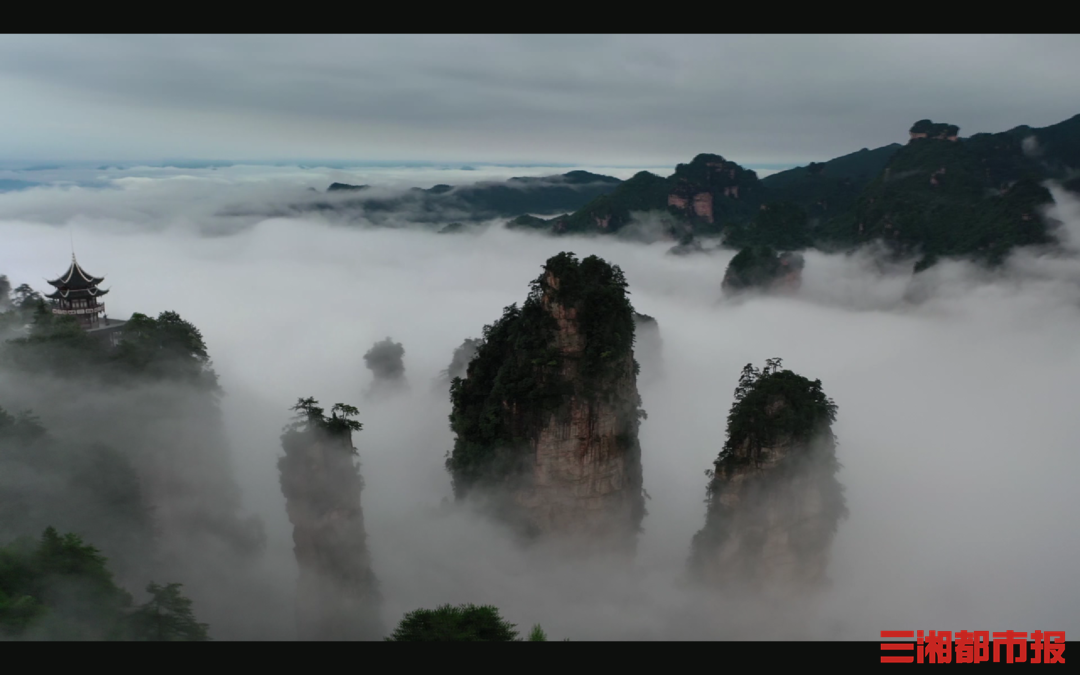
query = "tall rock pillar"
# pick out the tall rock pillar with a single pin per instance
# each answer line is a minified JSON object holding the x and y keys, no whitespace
{"x":547,"y":419}
{"x":774,"y":502}
{"x":337,"y":594}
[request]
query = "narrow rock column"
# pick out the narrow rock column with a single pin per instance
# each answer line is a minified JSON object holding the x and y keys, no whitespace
{"x":337,"y":594}
{"x":774,"y":502}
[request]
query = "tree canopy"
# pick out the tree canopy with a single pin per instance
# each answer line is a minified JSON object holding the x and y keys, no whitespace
{"x":311,"y":416}
{"x":166,"y":348}
{"x":772,"y":403}
{"x":461,"y":623}
{"x":60,"y":588}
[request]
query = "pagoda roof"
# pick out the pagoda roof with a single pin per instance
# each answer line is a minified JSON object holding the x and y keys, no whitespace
{"x":72,"y":293}
{"x":76,"y":279}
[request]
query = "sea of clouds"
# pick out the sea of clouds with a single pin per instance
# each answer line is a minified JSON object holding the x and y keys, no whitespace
{"x":957,"y":427}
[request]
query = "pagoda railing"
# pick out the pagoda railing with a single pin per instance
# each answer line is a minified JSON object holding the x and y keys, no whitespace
{"x":80,"y":310}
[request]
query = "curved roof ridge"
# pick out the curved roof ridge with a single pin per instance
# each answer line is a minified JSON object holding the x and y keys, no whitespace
{"x":86,"y":277}
{"x":76,"y":267}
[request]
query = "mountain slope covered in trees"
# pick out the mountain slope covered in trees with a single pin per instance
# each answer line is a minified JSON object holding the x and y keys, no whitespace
{"x":938,"y":195}
{"x":125,"y":446}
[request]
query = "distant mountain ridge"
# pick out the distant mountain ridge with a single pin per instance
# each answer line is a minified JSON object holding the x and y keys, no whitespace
{"x":448,"y":204}
{"x":937,"y":195}
{"x":711,"y":192}
{"x":338,"y":187}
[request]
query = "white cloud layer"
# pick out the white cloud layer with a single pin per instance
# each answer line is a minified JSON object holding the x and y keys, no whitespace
{"x":956,"y":423}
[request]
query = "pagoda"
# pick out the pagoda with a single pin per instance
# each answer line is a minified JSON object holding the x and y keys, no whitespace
{"x":77,"y":294}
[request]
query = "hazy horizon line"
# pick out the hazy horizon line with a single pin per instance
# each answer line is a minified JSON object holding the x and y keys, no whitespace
{"x":104,"y":165}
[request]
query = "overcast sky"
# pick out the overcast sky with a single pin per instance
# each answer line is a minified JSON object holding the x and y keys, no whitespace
{"x":622,"y":100}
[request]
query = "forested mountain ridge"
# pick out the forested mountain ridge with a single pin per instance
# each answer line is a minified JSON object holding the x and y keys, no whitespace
{"x":937,"y":195}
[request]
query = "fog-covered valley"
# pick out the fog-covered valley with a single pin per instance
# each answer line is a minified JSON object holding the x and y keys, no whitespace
{"x":955,"y":428}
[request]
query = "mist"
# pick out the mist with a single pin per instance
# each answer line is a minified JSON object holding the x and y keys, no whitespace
{"x":956,"y":422}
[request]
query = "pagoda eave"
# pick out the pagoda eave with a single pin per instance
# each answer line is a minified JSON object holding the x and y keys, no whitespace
{"x":97,"y":309}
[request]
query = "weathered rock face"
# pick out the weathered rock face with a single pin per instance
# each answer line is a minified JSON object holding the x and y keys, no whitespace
{"x":774,"y":501}
{"x":648,"y":348}
{"x":336,"y":596}
{"x":563,"y":456}
{"x":779,"y":531}
{"x":582,"y":474}
{"x":703,"y":202}
{"x":698,"y":187}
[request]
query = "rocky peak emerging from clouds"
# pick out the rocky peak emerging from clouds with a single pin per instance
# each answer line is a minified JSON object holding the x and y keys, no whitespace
{"x":707,"y":185}
{"x":547,"y":419}
{"x":765,"y":269}
{"x":337,"y":595}
{"x":773,"y":499}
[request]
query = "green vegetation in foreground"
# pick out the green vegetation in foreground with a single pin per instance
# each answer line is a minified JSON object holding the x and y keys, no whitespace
{"x":59,"y":588}
{"x":463,"y":623}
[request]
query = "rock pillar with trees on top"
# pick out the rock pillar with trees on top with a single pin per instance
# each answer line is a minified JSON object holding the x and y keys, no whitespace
{"x":547,"y":419}
{"x":386,"y":361}
{"x":337,"y":594}
{"x":773,"y":498}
